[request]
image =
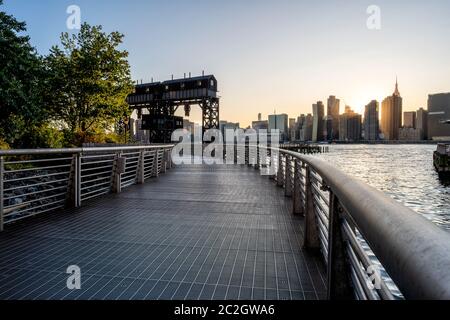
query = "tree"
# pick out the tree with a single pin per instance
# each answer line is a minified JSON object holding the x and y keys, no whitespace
{"x":89,"y":81}
{"x":21,"y":82}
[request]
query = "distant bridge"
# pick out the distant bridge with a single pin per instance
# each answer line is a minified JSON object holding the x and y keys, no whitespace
{"x":138,"y":230}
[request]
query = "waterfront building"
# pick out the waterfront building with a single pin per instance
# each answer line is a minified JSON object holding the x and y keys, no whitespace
{"x":260,"y":124}
{"x":332,"y":126}
{"x":391,"y":115}
{"x":409,"y":134}
{"x":409,"y":119}
{"x":306,"y":128}
{"x":328,"y":122}
{"x":292,"y":129}
{"x":279,"y":122}
{"x":438,"y":114}
{"x":299,"y":125}
{"x":371,"y":121}
{"x":422,"y":123}
{"x":349,"y":125}
{"x":318,"y":115}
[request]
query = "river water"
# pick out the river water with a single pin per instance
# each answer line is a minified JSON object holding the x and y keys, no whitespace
{"x":404,"y":172}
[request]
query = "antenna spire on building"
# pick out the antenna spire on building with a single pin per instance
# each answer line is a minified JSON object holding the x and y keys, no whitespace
{"x":396,"y":92}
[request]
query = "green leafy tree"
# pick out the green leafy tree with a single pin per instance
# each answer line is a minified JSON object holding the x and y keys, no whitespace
{"x":89,"y":81}
{"x":22,"y":82}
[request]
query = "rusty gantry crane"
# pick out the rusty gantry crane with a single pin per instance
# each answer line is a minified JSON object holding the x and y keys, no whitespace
{"x":162,"y":99}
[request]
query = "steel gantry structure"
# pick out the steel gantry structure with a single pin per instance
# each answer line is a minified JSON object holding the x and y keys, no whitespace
{"x":162,"y":100}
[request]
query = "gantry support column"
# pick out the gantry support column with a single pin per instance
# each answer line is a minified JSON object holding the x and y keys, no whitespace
{"x":210,"y":108}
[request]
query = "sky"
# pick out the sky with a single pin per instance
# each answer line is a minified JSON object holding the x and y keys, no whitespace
{"x":267,"y":55}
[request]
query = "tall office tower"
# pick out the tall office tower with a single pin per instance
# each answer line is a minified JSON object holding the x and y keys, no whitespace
{"x":349,"y":125}
{"x":391,"y":115}
{"x":371,"y":122}
{"x":301,"y":121}
{"x":292,"y":129}
{"x":333,"y":117}
{"x":259,"y":117}
{"x":307,"y":128}
{"x":409,"y":119}
{"x":328,"y":122}
{"x":279,"y":122}
{"x":422,"y":123}
{"x":318,"y":115}
{"x":438,"y":116}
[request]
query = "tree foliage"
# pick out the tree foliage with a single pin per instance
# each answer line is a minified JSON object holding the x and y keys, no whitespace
{"x":74,"y":95}
{"x":89,"y":81}
{"x":22,"y":81}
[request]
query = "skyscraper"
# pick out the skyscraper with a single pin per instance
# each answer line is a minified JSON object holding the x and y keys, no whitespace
{"x":306,"y":127}
{"x":438,"y":113}
{"x":391,"y":115}
{"x":371,"y":122}
{"x":333,"y":105}
{"x":279,"y":122}
{"x":409,"y":119}
{"x":292,"y":129}
{"x":318,"y":115}
{"x":422,"y":123}
{"x":349,"y":125}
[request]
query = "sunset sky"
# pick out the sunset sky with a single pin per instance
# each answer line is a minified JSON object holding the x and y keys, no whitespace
{"x":268,"y":55}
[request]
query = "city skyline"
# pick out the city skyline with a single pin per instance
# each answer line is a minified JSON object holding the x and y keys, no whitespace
{"x":316,"y":50}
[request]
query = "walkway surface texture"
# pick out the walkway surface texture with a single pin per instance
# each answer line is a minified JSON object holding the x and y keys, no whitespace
{"x":196,"y":232}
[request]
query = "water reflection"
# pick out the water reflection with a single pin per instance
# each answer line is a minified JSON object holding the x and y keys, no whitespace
{"x":404,"y":172}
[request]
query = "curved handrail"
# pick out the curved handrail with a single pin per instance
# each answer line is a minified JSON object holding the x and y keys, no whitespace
{"x":414,"y":251}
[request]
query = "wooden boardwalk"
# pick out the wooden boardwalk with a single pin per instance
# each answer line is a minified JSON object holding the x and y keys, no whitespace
{"x":196,"y":232}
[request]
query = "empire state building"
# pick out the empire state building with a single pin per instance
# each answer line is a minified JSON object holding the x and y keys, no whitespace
{"x":391,"y":115}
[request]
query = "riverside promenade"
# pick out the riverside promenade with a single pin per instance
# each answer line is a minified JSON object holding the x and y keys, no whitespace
{"x":196,"y":232}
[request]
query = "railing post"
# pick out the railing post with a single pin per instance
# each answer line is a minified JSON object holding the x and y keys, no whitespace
{"x":257,"y":164}
{"x":74,"y":188}
{"x":338,"y":269}
{"x":141,"y":173}
{"x":2,"y":173}
{"x":271,"y":164}
{"x":78,"y":173}
{"x":164,"y":161}
{"x":119,"y":164}
{"x":155,"y":164}
{"x":280,"y":181}
{"x":288,"y":177}
{"x":311,"y":241}
{"x":297,"y":203}
{"x":169,"y":158}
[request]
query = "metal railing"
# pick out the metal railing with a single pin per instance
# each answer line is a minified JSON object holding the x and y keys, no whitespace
{"x":42,"y":180}
{"x":374,"y":247}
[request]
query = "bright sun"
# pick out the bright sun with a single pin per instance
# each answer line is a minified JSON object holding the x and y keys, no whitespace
{"x":358,"y":101}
